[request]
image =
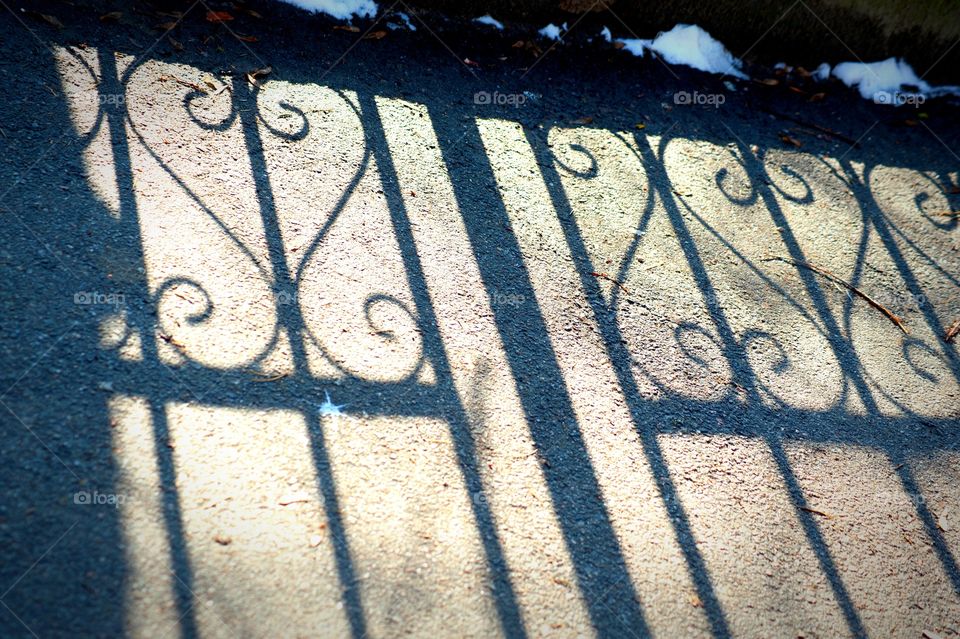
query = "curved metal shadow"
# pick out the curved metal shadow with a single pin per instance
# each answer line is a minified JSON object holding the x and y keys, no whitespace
{"x":278,"y":273}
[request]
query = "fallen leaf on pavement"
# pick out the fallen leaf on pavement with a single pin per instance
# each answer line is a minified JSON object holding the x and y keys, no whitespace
{"x":46,"y":17}
{"x":789,"y":140}
{"x":375,"y":35}
{"x":169,"y":339}
{"x":113,"y":16}
{"x":270,"y":378}
{"x":604,"y":276}
{"x":952,"y":332}
{"x":822,"y":129}
{"x":195,"y":87}
{"x":218,"y":16}
{"x":293,"y":498}
{"x":584,"y":120}
{"x":347,"y":27}
{"x":740,"y":388}
{"x":252,"y":76}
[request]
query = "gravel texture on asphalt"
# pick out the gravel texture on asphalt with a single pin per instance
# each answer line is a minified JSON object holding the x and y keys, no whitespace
{"x":423,"y":334}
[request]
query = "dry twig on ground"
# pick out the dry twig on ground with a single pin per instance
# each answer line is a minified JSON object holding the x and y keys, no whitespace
{"x":836,"y":280}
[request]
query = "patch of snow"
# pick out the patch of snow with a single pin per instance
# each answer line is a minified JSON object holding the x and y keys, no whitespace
{"x":605,"y":32}
{"x":689,"y":45}
{"x":490,"y":21}
{"x":822,"y":72}
{"x":405,"y":22}
{"x":730,"y":85}
{"x":635,"y":46}
{"x":328,"y":408}
{"x":891,"y":81}
{"x":780,"y":65}
{"x":552,"y":31}
{"x":936,"y":92}
{"x":340,"y":9}
{"x":872,"y":78}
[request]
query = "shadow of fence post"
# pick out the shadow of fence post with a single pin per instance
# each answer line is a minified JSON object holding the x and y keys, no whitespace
{"x":291,"y":319}
{"x":505,"y":598}
{"x":116,"y":116}
{"x":603,"y":579}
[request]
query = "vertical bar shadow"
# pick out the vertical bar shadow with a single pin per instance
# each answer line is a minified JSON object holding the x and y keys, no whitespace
{"x":619,"y":358}
{"x":505,"y":598}
{"x":180,"y":564}
{"x":602,"y":575}
{"x":291,"y":319}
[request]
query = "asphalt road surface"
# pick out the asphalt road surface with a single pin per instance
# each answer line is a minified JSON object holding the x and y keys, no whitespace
{"x":312,"y":332}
